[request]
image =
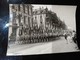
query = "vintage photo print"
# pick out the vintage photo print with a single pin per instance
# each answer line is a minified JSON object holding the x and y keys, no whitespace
{"x":41,"y":29}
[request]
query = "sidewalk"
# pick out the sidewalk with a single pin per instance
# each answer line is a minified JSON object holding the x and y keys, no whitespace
{"x":62,"y":46}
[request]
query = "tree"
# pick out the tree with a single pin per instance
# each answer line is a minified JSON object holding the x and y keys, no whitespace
{"x":55,"y":20}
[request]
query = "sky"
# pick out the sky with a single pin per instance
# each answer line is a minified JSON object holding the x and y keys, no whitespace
{"x":65,"y":12}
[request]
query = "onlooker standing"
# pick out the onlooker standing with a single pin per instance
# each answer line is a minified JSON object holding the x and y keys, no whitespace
{"x":74,"y":38}
{"x":66,"y":36}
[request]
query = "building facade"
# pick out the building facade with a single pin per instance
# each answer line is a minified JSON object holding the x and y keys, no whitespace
{"x":24,"y":21}
{"x":20,"y":18}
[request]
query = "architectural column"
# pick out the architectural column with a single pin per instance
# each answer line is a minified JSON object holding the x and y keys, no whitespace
{"x":30,"y":13}
{"x":10,"y":20}
{"x":43,"y":19}
{"x":22,"y":15}
{"x":17,"y":21}
{"x":26,"y":12}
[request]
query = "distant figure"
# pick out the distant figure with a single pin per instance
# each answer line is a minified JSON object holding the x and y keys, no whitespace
{"x":66,"y":36}
{"x":74,"y":38}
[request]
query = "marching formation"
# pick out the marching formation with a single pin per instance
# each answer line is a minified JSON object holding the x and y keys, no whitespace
{"x":38,"y":37}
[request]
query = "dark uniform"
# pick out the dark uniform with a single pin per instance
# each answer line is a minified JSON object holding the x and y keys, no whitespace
{"x":66,"y":37}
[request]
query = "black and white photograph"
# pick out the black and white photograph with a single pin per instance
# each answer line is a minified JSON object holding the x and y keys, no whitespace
{"x":41,"y":29}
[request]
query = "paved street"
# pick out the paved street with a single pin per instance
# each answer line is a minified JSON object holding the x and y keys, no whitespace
{"x":57,"y":46}
{"x":62,"y":46}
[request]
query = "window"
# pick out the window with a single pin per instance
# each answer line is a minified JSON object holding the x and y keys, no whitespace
{"x":14,"y":31}
{"x":20,"y":32}
{"x":18,"y":7}
{"x":35,"y":17}
{"x":41,"y":19}
{"x":14,"y":14}
{"x":12,"y":6}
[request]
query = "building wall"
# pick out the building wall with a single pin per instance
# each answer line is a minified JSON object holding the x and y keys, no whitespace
{"x":20,"y":15}
{"x":10,"y":21}
{"x":40,"y":17}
